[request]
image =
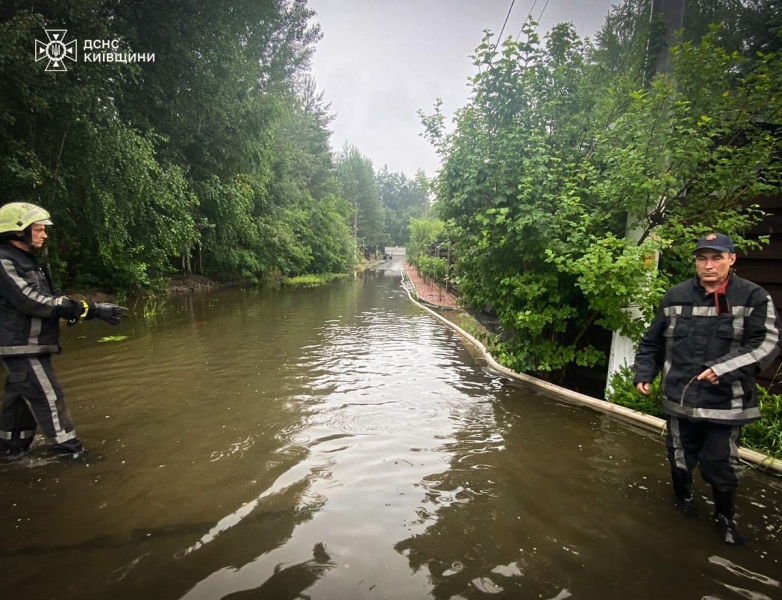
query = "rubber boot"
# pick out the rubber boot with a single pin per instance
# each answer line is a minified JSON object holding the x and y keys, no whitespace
{"x":12,"y":456}
{"x":724,"y":507}
{"x":682,"y":489}
{"x":15,"y":449}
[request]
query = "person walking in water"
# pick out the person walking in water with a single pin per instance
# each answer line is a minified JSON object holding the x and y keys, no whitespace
{"x":711,"y":336}
{"x":30,"y":310}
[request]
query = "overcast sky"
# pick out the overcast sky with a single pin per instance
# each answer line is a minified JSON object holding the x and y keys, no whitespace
{"x":380,"y":61}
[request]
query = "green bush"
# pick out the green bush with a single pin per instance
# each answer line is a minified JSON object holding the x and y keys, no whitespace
{"x":423,"y":234}
{"x":432,"y":269}
{"x":766,"y":435}
{"x":623,"y":392}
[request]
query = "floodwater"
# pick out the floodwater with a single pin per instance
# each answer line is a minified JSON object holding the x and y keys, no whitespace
{"x":337,"y":443}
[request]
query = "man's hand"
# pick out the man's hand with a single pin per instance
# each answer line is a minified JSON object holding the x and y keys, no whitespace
{"x":643,"y":388}
{"x":105,"y":311}
{"x":709,"y":376}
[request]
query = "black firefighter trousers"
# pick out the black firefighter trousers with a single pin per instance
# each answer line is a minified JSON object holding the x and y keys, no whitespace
{"x":712,"y":445}
{"x":32,"y":397}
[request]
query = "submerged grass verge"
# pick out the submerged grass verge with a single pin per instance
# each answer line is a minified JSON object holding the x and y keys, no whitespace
{"x":112,"y":338}
{"x":312,"y":280}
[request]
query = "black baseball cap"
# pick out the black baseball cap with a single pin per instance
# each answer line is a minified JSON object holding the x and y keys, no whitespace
{"x":716,"y":241}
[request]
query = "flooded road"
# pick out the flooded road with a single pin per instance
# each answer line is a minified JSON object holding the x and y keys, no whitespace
{"x":338,"y":443}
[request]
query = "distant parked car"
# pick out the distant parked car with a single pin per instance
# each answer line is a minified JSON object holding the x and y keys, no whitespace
{"x":387,"y":256}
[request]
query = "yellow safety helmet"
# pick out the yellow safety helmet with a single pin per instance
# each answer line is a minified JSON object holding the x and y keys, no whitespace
{"x":17,"y":216}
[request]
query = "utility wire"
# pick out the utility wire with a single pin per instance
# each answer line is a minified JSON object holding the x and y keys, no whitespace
{"x":529,"y":14}
{"x":540,"y":16}
{"x":499,"y":38}
{"x":545,"y":6}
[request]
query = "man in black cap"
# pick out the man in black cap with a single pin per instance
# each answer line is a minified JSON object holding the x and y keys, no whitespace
{"x":711,"y":336}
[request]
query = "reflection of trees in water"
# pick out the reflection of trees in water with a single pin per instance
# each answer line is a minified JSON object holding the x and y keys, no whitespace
{"x":543,"y":500}
{"x":268,"y":527}
{"x":505,"y":506}
{"x":292,"y":581}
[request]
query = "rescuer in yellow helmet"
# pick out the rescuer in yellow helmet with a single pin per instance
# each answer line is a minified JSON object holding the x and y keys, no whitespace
{"x":30,"y":310}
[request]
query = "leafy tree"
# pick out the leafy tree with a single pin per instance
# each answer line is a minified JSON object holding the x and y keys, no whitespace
{"x":359,"y":188}
{"x":545,"y":164}
{"x":305,"y":182}
{"x":181,"y":163}
{"x":404,"y":199}
{"x":424,"y":233}
{"x":325,"y":231}
{"x":217,"y":106}
{"x":745,"y":26}
{"x":119,"y":214}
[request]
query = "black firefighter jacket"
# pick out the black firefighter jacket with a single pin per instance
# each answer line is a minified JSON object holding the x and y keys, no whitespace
{"x":30,"y":305}
{"x":688,"y":336}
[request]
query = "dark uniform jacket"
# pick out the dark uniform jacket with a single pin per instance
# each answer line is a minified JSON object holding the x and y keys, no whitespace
{"x":688,"y":336}
{"x":30,"y":305}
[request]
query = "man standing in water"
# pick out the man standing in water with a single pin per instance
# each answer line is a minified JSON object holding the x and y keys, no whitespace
{"x":30,"y":309}
{"x":711,"y":336}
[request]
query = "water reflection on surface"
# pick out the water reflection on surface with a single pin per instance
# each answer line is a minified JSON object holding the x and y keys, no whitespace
{"x":339,"y":442}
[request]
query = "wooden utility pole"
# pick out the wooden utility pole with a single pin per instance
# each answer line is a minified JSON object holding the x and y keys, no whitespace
{"x":672,"y":13}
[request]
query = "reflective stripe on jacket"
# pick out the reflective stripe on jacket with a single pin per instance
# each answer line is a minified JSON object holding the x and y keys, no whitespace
{"x":688,"y":336}
{"x":29,"y":305}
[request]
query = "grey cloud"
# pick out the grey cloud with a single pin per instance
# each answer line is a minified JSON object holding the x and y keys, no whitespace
{"x":382,"y":60}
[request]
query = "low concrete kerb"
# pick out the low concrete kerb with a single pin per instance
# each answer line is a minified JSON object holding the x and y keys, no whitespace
{"x":756,"y":459}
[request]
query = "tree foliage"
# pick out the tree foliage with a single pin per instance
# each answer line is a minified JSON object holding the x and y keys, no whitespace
{"x":561,"y":140}
{"x":404,"y":199}
{"x":359,"y":189}
{"x":214,"y":159}
{"x":424,"y":233}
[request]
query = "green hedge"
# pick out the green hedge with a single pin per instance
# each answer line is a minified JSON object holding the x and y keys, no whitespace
{"x":432,"y":269}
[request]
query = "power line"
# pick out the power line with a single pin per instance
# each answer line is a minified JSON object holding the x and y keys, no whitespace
{"x":499,"y":38}
{"x":545,"y":6}
{"x":540,"y":16}
{"x":529,"y":14}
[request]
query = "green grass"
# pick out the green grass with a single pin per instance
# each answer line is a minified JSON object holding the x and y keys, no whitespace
{"x":149,"y":306}
{"x":312,"y":280}
{"x":112,"y":338}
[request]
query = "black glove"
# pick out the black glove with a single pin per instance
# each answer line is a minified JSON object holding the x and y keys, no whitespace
{"x":70,"y":309}
{"x":105,"y":311}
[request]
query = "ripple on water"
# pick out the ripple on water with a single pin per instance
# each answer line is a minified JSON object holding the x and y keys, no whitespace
{"x":742,"y":572}
{"x":235,"y":450}
{"x":744,"y":593}
{"x":455,"y":568}
{"x":300,"y":439}
{"x":365,"y":422}
{"x":372,"y":418}
{"x":511,"y":570}
{"x":486,"y":585}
